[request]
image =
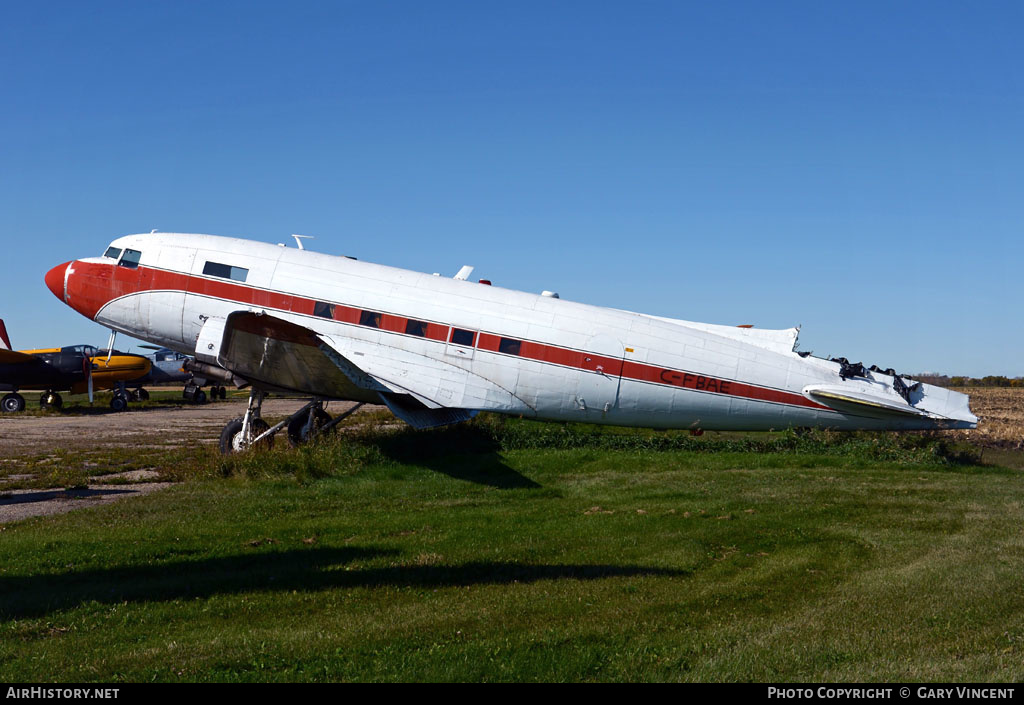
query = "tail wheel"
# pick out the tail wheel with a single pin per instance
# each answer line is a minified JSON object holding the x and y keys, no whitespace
{"x":12,"y":403}
{"x":297,"y":431}
{"x":231,"y":440}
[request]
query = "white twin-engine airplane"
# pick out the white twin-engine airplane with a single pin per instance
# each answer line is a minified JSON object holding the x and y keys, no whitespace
{"x":437,"y":351}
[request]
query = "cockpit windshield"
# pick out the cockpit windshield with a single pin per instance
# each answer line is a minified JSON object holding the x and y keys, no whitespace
{"x":83,"y":350}
{"x":112,"y":252}
{"x":130,"y":258}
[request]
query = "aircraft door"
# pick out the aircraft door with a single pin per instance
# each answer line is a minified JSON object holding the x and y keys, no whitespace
{"x":597,"y":389}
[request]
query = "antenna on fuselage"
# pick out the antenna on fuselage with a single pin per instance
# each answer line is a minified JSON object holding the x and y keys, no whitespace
{"x":464,"y":273}
{"x":300,"y":238}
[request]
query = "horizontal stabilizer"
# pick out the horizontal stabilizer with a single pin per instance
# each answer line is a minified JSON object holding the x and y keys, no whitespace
{"x":843,"y":399}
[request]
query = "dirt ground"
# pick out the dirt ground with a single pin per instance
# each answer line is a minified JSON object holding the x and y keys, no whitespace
{"x":28,"y":441}
{"x":22,"y":435}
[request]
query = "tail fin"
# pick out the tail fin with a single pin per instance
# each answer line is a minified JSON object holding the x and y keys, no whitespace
{"x":5,"y":342}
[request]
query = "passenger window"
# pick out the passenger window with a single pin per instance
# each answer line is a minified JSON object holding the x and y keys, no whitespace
{"x":112,"y":252}
{"x":323,"y":310}
{"x":225,"y":271}
{"x":417,"y":328}
{"x":509,"y":346}
{"x":130,"y":259}
{"x":370,"y":319}
{"x":463,"y":337}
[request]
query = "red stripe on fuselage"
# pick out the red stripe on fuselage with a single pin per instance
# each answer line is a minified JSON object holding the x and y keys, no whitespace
{"x":122,"y":281}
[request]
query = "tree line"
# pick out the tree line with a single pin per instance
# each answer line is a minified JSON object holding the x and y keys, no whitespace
{"x":963,"y":381}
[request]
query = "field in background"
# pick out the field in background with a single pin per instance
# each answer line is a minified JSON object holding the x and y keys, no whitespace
{"x":1001,"y":414}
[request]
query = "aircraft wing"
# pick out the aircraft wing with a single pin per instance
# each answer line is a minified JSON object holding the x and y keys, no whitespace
{"x":278,"y":354}
{"x":14,"y":357}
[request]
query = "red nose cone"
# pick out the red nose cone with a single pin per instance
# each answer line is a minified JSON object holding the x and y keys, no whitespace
{"x":55,"y":280}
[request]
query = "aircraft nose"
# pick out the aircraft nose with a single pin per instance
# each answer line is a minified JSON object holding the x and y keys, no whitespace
{"x":55,"y":280}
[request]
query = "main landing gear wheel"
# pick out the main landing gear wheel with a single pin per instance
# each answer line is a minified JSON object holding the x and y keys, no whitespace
{"x":140,"y":394}
{"x":199,"y":397}
{"x":50,"y":400}
{"x":12,"y":403}
{"x":119,"y":402}
{"x":232,"y":440}
{"x":299,"y":429}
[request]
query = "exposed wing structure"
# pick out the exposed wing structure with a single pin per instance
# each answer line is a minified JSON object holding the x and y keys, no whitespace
{"x":277,"y":354}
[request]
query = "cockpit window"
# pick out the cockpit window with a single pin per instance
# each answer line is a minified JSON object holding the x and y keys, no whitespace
{"x":226,"y":271}
{"x":84,"y":350}
{"x":112,"y":252}
{"x":130,"y":258}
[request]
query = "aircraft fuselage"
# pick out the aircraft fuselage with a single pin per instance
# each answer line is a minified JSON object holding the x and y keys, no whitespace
{"x":554,"y":359}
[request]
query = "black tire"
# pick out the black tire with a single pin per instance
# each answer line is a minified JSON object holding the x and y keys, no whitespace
{"x":295,"y":429}
{"x":222,"y":393}
{"x":13,"y":403}
{"x":199,"y":397}
{"x":50,"y":400}
{"x":142,"y":394}
{"x":118,"y":403}
{"x":229,"y":437}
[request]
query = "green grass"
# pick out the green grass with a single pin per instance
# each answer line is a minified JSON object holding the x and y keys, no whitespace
{"x":516,"y":551}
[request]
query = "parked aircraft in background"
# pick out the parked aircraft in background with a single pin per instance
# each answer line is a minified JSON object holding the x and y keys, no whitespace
{"x":76,"y":368}
{"x":438,"y":350}
{"x":172,"y":366}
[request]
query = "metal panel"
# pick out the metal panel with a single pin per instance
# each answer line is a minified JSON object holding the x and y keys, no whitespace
{"x":597,"y":387}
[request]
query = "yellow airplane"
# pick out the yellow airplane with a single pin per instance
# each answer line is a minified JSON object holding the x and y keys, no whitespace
{"x":76,"y":368}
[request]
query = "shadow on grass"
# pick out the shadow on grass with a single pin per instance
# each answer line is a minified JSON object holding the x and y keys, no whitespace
{"x":311,"y":569}
{"x":462,"y":452}
{"x":50,"y":495}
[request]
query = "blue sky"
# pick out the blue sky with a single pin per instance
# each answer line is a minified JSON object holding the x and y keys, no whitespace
{"x":852,"y":167}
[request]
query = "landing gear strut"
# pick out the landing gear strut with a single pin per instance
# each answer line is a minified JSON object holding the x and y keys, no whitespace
{"x":252,"y":431}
